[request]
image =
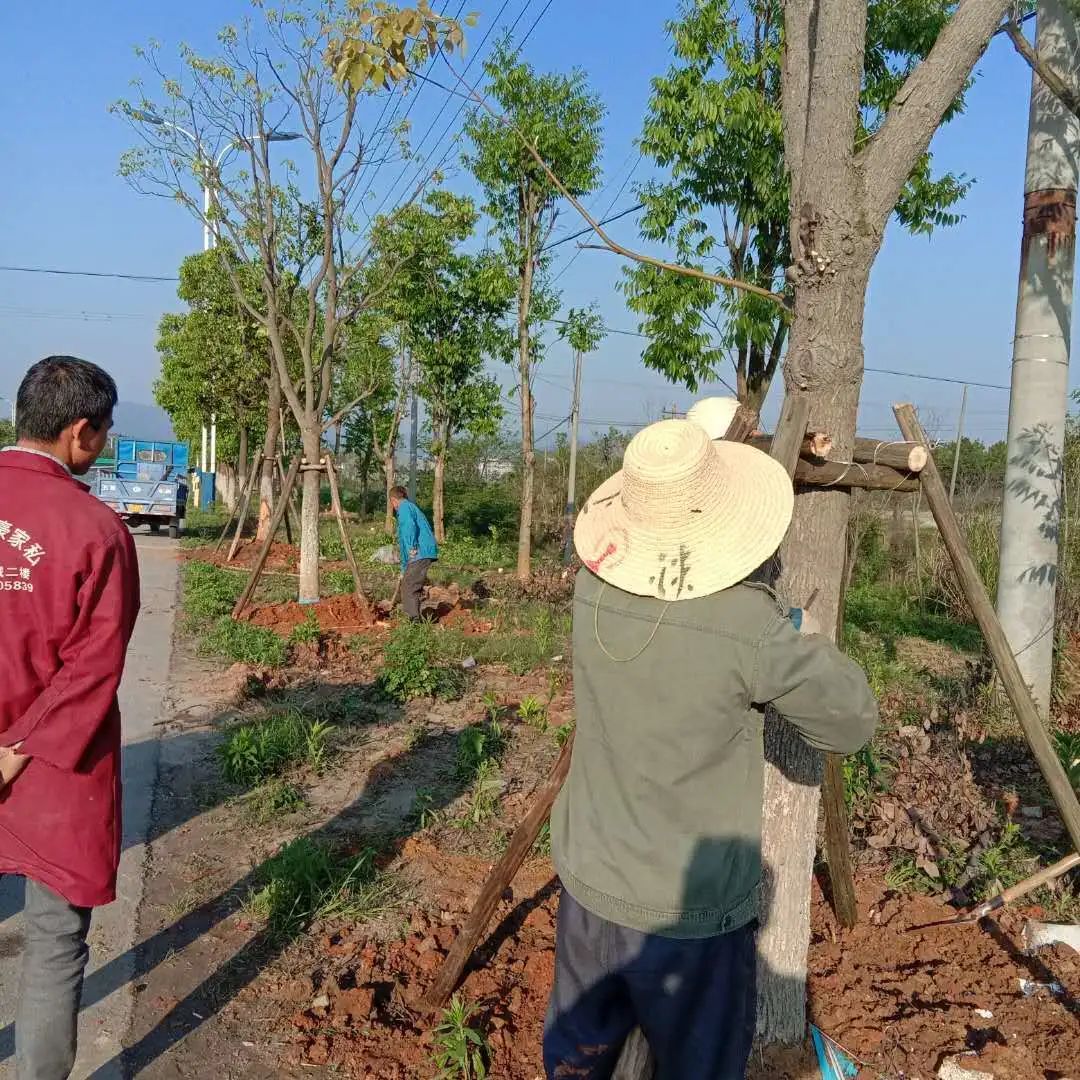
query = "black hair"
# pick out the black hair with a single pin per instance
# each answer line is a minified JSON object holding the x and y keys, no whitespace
{"x":398,"y":492}
{"x":59,"y":390}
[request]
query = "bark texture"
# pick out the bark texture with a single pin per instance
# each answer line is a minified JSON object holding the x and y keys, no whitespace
{"x":438,"y":494}
{"x":309,"y":520}
{"x":840,"y":202}
{"x":270,"y":448}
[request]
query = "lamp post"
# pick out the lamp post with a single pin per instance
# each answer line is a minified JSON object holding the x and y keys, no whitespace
{"x":209,"y":233}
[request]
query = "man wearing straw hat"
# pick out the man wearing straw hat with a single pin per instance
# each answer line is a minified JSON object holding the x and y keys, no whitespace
{"x":656,"y":834}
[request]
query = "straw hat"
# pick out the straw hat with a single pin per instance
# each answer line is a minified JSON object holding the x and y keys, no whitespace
{"x":714,"y":414}
{"x":685,"y":516}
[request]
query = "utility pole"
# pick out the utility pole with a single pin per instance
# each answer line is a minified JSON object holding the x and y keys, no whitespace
{"x":571,"y":484}
{"x":959,"y":440}
{"x":413,"y":439}
{"x":1031,"y":509}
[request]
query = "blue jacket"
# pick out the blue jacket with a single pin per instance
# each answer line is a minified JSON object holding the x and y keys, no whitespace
{"x":415,"y":538}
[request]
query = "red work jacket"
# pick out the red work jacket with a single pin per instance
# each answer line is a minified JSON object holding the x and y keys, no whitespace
{"x":69,"y":595}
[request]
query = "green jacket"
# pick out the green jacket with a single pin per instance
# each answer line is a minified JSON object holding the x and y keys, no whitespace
{"x":658,"y":826}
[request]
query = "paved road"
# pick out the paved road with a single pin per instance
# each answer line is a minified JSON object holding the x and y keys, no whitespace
{"x":143,"y":700}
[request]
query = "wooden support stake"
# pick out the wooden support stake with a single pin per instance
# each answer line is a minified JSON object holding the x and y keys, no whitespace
{"x":814,"y":471}
{"x":264,"y":551}
{"x":228,"y":524}
{"x":994,"y":636}
{"x":245,"y":502}
{"x":339,"y":513}
{"x":498,"y":881}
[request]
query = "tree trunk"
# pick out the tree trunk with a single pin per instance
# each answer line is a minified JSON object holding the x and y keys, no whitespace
{"x":526,"y":224}
{"x":270,"y":449}
{"x":225,"y":484}
{"x":365,"y":479}
{"x":437,"y":499}
{"x":825,"y":362}
{"x":389,"y":469}
{"x":309,"y":518}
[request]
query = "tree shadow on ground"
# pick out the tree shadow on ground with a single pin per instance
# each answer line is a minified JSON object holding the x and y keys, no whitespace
{"x":222,"y":985}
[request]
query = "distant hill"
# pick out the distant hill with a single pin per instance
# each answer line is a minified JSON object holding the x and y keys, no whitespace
{"x":142,"y":421}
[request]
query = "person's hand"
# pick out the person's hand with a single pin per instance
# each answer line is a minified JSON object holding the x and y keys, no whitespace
{"x":11,"y":764}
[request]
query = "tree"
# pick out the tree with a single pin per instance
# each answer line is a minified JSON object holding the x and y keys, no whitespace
{"x":455,"y":324}
{"x":7,"y":433}
{"x":560,"y":118}
{"x":846,"y":178}
{"x":715,"y":124}
{"x":213,"y":357}
{"x":303,"y":75}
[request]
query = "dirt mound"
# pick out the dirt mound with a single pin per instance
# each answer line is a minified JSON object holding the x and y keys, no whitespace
{"x":903,"y":999}
{"x":344,"y":613}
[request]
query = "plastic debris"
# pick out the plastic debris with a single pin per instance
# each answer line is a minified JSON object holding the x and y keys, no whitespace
{"x":1028,"y":988}
{"x":469,"y":663}
{"x":386,"y":554}
{"x":953,"y":1069}
{"x":835,"y":1062}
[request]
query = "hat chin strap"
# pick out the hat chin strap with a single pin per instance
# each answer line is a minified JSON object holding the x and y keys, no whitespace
{"x":604,"y":648}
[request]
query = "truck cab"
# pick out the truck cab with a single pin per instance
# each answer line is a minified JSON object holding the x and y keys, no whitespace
{"x":145,"y":482}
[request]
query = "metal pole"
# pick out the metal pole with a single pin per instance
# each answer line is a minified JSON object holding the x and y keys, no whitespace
{"x":213,"y":442}
{"x":1031,"y":507}
{"x":414,"y":437}
{"x":207,"y":232}
{"x":959,"y":440}
{"x":202,"y":456}
{"x":571,"y":484}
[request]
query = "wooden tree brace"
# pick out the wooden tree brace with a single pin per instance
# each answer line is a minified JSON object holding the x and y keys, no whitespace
{"x":993,"y":634}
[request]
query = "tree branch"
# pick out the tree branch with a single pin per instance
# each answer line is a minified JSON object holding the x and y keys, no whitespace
{"x":916,"y":112}
{"x":1055,"y":83}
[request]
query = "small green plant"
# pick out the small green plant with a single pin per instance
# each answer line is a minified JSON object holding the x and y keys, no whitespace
{"x":904,"y":876}
{"x":424,"y":811}
{"x":864,"y":777}
{"x":417,"y":734}
{"x":1006,"y":862}
{"x":308,"y":632}
{"x":477,"y":744}
{"x":533,"y":711}
{"x":562,"y":733}
{"x":335,"y":582}
{"x":411,"y":667}
{"x":487,"y":787}
{"x":1067,"y":745}
{"x":261,"y":749}
{"x":310,"y":879}
{"x":274,"y":799}
{"x":542,"y":846}
{"x":493,"y":705}
{"x":244,"y":643}
{"x":460,"y":1049}
{"x":544,"y":631}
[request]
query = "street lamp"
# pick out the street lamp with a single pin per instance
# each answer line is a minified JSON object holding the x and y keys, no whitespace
{"x":209,"y":235}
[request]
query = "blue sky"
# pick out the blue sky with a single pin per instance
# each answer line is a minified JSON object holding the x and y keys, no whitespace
{"x":942,"y":306}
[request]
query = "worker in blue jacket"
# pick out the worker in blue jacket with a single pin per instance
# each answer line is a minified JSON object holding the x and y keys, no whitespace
{"x":416,"y":543}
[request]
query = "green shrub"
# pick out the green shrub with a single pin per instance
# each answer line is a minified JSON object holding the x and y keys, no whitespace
{"x":310,"y":879}
{"x":274,"y":799}
{"x":260,"y":749}
{"x":244,"y":643}
{"x":459,"y":1049}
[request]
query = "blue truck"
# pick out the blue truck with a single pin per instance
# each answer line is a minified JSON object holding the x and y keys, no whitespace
{"x":146,"y":483}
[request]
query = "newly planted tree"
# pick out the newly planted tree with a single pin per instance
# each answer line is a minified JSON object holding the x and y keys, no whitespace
{"x":303,"y":73}
{"x":560,"y":118}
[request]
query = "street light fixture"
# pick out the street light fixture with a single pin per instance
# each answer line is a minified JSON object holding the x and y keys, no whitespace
{"x":209,"y":236}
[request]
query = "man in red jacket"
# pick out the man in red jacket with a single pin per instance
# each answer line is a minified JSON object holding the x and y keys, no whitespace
{"x":69,"y":595}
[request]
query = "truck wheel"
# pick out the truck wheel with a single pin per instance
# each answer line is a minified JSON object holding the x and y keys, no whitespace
{"x":155,"y":527}
{"x":174,"y":530}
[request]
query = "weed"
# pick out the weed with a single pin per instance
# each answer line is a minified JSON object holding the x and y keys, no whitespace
{"x":209,"y":591}
{"x":308,"y":632}
{"x":1067,"y":744}
{"x":533,"y":711}
{"x":487,"y":787}
{"x":563,"y":732}
{"x":864,"y":777}
{"x":543,"y":628}
{"x":493,"y":706}
{"x":309,"y":879}
{"x":417,"y":734}
{"x":905,"y":876}
{"x":335,"y":582}
{"x":542,"y":846}
{"x":262,"y":749}
{"x":411,"y":666}
{"x":274,"y":799}
{"x":424,"y":811}
{"x":1007,"y":862}
{"x":244,"y":643}
{"x":477,"y":744}
{"x":460,"y":1049}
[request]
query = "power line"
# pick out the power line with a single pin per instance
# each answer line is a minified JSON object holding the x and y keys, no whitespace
{"x":85,"y":273}
{"x":588,"y":229}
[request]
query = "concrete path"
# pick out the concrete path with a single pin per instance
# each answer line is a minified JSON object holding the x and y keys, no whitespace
{"x":104,"y":1022}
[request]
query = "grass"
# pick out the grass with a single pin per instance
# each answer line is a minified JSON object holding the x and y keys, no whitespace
{"x":477,"y":744}
{"x":209,"y":592}
{"x":244,"y":643}
{"x":892,"y":612}
{"x":459,"y":1049}
{"x":865,"y":775}
{"x":1067,"y":745}
{"x":312,"y":879}
{"x":262,"y":749}
{"x":274,"y":799}
{"x":308,"y":632}
{"x":484,"y":795}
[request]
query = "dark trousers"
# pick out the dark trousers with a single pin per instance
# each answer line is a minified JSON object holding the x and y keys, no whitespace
{"x":412,"y":586}
{"x":695,"y":1000}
